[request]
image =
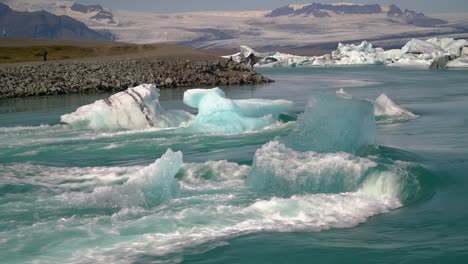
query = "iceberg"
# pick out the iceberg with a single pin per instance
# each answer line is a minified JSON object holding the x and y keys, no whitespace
{"x":449,"y":45}
{"x":332,"y":124}
{"x":417,"y":46}
{"x":148,"y":187}
{"x":218,"y":114}
{"x":461,"y":62}
{"x":415,"y":53}
{"x":134,"y":108}
{"x":388,"y":111}
{"x":362,"y":54}
{"x":341,"y":93}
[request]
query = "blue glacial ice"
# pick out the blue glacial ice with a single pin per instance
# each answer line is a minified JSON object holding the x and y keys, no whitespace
{"x":321,"y":155}
{"x":332,"y":124}
{"x":147,"y":187}
{"x":218,"y":114}
{"x":139,"y":108}
{"x":134,"y":108}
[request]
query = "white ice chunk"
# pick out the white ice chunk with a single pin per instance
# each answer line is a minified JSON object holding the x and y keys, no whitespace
{"x":449,"y":45}
{"x":417,"y":46}
{"x":416,"y":53}
{"x":461,"y":62}
{"x":218,"y":114}
{"x":134,"y":108}
{"x":386,"y":109}
{"x":341,"y":93}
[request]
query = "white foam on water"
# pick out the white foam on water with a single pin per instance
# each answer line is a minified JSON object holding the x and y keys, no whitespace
{"x":213,"y":175}
{"x":147,"y":187}
{"x":280,"y":170}
{"x":63,"y":178}
{"x":207,"y":227}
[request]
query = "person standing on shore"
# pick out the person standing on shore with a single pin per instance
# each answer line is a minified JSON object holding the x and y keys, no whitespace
{"x":44,"y":54}
{"x":4,"y":33}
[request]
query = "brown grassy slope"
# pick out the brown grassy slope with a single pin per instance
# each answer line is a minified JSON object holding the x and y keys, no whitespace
{"x":30,"y":50}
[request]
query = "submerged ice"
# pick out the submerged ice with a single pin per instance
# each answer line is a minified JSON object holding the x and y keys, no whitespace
{"x":435,"y":53}
{"x":332,"y":124}
{"x":321,"y":155}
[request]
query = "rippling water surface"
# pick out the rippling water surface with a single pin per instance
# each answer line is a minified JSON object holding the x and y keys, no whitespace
{"x":84,"y":196}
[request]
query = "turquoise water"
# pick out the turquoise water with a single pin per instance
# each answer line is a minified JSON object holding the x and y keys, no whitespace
{"x":63,"y":194}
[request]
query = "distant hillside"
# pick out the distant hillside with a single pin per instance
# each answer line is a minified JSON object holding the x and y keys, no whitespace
{"x":329,"y":10}
{"x":96,"y":12}
{"x":42,"y":24}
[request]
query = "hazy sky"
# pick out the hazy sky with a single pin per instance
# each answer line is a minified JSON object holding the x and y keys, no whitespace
{"x":166,"y":6}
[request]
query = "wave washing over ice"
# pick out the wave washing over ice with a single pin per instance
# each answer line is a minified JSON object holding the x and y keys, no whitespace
{"x":434,"y":53}
{"x":315,"y":178}
{"x":147,"y":187}
{"x":320,"y":157}
{"x":139,"y":108}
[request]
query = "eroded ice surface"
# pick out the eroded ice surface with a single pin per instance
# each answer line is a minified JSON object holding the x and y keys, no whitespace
{"x":218,"y":114}
{"x":134,"y":108}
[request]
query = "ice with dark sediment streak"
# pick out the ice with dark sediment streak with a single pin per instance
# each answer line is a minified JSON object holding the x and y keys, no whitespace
{"x":139,"y":108}
{"x":134,"y":108}
{"x":332,"y":124}
{"x":387,"y":110}
{"x":218,"y":114}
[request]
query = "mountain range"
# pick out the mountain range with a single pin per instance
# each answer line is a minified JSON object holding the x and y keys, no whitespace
{"x":292,"y":27}
{"x":329,"y":10}
{"x":42,"y":24}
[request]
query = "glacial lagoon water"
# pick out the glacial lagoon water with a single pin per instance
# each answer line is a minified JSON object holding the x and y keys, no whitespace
{"x":283,"y":194}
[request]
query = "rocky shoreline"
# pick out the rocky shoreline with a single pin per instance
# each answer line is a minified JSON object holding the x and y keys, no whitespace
{"x":63,"y":77}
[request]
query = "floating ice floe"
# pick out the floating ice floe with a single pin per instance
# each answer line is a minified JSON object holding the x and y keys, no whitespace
{"x":139,"y":108}
{"x":434,"y":53}
{"x":385,"y":110}
{"x":388,"y":111}
{"x":134,"y":108}
{"x":218,"y":114}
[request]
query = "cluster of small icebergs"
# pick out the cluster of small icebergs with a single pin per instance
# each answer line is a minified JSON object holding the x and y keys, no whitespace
{"x":433,"y":53}
{"x":139,"y":108}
